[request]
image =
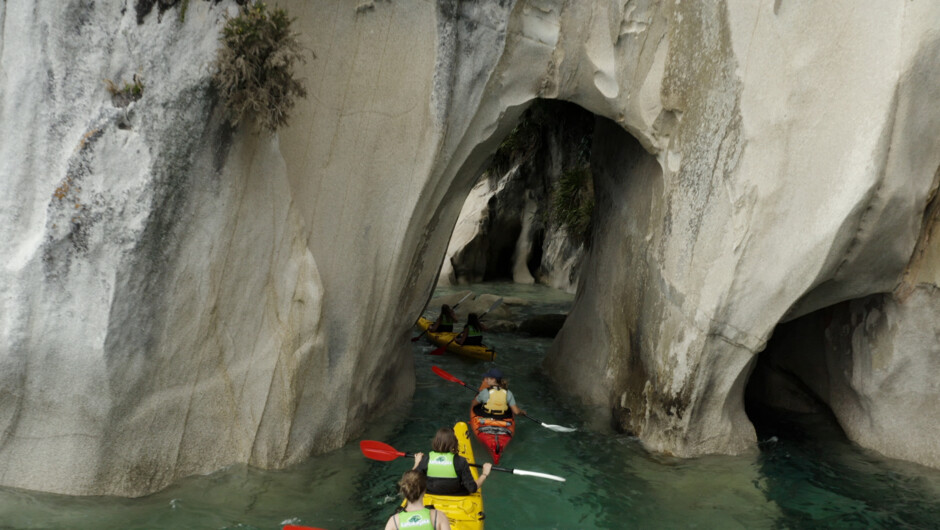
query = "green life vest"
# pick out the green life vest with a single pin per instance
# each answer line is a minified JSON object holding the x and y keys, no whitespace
{"x":446,"y":320}
{"x":416,"y":520}
{"x":473,"y":332}
{"x":441,"y":465}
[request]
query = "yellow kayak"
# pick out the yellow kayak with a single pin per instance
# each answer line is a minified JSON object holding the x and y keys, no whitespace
{"x":466,"y":511}
{"x":440,"y":339}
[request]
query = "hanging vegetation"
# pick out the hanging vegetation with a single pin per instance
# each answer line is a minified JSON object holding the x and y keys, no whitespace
{"x":255,"y":66}
{"x":573,"y":202}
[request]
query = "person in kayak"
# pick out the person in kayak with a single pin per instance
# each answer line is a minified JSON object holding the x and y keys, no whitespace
{"x":412,"y":487}
{"x":445,"y":321}
{"x":495,"y":400}
{"x":472,"y":334}
{"x":448,"y":473}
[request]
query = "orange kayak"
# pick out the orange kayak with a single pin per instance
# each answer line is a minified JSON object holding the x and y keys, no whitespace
{"x":494,"y":434}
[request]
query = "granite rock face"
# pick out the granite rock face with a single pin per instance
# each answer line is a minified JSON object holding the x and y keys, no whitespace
{"x":176,"y":295}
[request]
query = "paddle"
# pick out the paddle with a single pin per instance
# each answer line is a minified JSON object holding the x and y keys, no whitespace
{"x":557,"y":428}
{"x":440,"y":371}
{"x":440,"y":351}
{"x":386,"y":453}
{"x":452,"y":307}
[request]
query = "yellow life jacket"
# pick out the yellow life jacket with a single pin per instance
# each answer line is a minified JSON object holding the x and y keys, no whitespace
{"x":496,"y":404}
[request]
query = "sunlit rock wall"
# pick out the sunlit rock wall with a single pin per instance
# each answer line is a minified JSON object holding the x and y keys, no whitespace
{"x":177,"y":296}
{"x":160,"y":309}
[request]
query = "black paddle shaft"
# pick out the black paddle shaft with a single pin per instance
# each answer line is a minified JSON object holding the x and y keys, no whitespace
{"x":495,"y":468}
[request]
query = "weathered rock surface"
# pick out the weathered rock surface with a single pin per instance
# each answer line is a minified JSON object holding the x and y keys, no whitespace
{"x":177,"y":296}
{"x":781,"y":172}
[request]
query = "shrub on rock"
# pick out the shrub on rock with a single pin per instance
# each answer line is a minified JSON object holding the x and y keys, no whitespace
{"x":255,"y":66}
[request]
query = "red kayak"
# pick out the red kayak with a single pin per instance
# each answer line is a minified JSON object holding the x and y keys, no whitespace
{"x":494,"y":434}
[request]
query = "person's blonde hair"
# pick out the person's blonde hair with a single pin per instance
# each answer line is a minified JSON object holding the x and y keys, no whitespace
{"x":412,"y":485}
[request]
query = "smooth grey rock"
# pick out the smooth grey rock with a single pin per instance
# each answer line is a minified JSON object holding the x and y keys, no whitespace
{"x":176,"y":296}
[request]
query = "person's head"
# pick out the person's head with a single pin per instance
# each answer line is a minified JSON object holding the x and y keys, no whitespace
{"x":413,"y":485}
{"x":449,"y":311}
{"x":445,"y":441}
{"x":494,"y":376}
{"x":474,"y":320}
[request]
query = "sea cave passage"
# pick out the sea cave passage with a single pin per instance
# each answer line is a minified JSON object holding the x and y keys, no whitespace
{"x":528,"y":217}
{"x":783,"y":394}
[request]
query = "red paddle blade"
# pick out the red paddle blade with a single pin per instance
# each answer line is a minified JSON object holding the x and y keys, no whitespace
{"x":440,"y":371}
{"x":379,"y":451}
{"x":438,"y":351}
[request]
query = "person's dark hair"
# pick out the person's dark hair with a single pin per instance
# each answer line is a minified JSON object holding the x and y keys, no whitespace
{"x":412,"y":485}
{"x":445,"y":441}
{"x":447,"y":310}
{"x":474,"y":320}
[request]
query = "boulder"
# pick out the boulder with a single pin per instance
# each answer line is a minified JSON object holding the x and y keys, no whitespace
{"x":542,"y":325}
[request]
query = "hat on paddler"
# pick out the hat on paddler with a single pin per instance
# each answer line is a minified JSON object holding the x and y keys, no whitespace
{"x":494,"y":373}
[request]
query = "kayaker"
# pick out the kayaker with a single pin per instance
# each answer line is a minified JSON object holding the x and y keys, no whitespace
{"x":445,"y":321}
{"x":448,"y":472}
{"x":472,"y":334}
{"x":495,"y":400}
{"x":412,"y":487}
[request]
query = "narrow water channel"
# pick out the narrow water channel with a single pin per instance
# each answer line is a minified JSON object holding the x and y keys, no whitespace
{"x":805,"y":475}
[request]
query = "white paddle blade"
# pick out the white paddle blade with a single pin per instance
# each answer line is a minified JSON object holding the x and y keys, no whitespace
{"x":468,"y":295}
{"x":537,"y":474}
{"x":558,"y":428}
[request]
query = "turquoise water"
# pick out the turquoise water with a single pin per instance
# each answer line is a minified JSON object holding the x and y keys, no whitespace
{"x":806,"y":475}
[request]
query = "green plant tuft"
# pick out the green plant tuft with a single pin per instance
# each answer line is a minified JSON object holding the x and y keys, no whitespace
{"x":255,"y":66}
{"x":523,"y":140}
{"x":124,"y":95}
{"x":573,"y":202}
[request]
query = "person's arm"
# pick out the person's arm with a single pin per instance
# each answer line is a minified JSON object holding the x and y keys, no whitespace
{"x":419,"y":459}
{"x":462,"y":337}
{"x":511,"y":401}
{"x":480,"y":398}
{"x":433,"y":327}
{"x":390,"y":525}
{"x":443,"y":523}
{"x":462,"y":467}
{"x":483,"y":474}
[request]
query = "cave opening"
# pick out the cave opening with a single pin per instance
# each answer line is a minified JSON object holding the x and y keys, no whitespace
{"x":787,"y":393}
{"x":527,"y":218}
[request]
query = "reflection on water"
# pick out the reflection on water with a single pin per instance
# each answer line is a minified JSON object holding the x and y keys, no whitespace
{"x":806,"y":475}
